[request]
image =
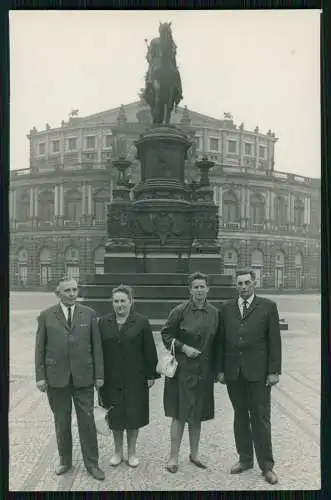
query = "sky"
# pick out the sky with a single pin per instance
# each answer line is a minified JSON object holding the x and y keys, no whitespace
{"x":261,"y":66}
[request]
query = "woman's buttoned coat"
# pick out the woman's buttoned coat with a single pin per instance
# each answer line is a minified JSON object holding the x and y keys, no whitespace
{"x":189,"y":395}
{"x":130,"y":360}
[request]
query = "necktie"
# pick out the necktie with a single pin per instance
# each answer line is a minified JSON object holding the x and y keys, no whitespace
{"x":69,"y":316}
{"x":245,"y":308}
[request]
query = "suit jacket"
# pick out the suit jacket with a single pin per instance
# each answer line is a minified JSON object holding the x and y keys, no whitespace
{"x":62,"y":352}
{"x":252,"y":344}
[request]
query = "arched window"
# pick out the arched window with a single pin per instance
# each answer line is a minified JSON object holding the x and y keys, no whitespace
{"x":280,"y":270}
{"x":22,"y":266}
{"x":101,"y":201}
{"x":71,"y":262}
{"x":46,"y":206}
{"x":257,"y":265}
{"x":45,"y":261}
{"x":230,"y":263}
{"x":280,"y":211}
{"x":73,"y":205}
{"x":230,"y":207}
{"x":257,"y":209}
{"x":298,"y":270}
{"x":23,"y":206}
{"x":99,"y":255}
{"x":299,"y":210}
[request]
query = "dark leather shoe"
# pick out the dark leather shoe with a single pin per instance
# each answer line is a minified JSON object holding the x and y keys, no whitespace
{"x":241,"y":467}
{"x":172,"y":468}
{"x":270,"y":476}
{"x":196,"y":462}
{"x":62,"y":469}
{"x":96,"y":473}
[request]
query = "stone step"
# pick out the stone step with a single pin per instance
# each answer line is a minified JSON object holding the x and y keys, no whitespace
{"x":149,"y":279}
{"x":177,"y":292}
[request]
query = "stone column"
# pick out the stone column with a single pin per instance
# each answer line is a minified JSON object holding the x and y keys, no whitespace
{"x":257,"y":145}
{"x":269,"y":153}
{"x":215,"y":194}
{"x":308,"y":210}
{"x":224,"y":145}
{"x":292,"y":210}
{"x":80,"y":146}
{"x":220,"y":205}
{"x":61,"y":206}
{"x":83,"y":199}
{"x":36,"y":201}
{"x":111,"y":190}
{"x":267,"y":211}
{"x":272,"y":208}
{"x":99,"y":145}
{"x":289,"y":209}
{"x":89,"y":199}
{"x":241,"y":150}
{"x":247,"y":215}
{"x":205,"y":144}
{"x":56,"y":201}
{"x":242,"y":207}
{"x":62,"y":147}
{"x":31,"y":213}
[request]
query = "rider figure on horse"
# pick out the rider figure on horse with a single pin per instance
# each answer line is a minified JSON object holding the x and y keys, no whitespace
{"x":162,"y":75}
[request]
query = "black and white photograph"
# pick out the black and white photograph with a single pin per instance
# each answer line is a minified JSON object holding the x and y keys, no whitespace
{"x":165,"y":250}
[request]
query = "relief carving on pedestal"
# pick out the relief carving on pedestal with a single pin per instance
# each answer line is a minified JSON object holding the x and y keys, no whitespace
{"x":205,"y":226}
{"x":162,"y":225}
{"x":118,"y":223}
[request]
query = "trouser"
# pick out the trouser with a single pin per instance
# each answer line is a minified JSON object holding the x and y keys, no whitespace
{"x":60,"y":400}
{"x":251,"y":405}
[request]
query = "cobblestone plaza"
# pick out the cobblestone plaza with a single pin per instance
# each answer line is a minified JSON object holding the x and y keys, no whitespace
{"x":295,"y":420}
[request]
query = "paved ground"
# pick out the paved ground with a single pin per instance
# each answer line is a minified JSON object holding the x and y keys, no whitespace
{"x":295,"y":420}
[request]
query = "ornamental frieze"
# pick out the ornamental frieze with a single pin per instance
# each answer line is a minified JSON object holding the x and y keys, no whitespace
{"x":163,"y":225}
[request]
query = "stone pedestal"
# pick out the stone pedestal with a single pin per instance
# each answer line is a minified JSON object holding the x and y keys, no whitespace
{"x":165,"y":231}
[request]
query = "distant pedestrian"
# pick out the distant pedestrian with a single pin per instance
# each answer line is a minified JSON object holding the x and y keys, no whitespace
{"x":130,"y":360}
{"x":249,"y":363}
{"x":68,"y":362}
{"x":189,"y":395}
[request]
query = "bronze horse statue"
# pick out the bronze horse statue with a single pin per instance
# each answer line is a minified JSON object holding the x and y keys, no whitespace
{"x":163,"y":87}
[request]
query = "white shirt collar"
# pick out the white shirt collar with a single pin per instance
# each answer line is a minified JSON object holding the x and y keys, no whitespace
{"x":249,"y":301}
{"x":65,"y":309}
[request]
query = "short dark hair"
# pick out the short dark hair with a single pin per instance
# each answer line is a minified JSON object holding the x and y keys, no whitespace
{"x":123,"y":289}
{"x":62,"y":279}
{"x":197,"y":276}
{"x":250,"y":271}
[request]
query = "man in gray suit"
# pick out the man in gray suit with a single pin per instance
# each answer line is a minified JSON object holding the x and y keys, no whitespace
{"x":249,"y":363}
{"x":68,"y":363}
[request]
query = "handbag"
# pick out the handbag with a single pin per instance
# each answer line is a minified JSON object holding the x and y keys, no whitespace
{"x":167,"y":365}
{"x":101,"y":418}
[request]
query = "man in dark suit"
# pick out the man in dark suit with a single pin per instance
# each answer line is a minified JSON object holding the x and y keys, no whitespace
{"x":68,"y":362}
{"x":249,"y":363}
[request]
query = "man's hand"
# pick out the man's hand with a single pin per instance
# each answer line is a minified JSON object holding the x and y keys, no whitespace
{"x":150,"y":383}
{"x":41,"y":385}
{"x":99,"y":383}
{"x":272,"y":379}
{"x":220,"y":378}
{"x":190,"y":352}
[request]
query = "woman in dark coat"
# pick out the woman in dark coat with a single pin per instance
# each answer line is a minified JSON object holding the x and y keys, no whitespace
{"x":130,"y":360}
{"x":189,"y":396}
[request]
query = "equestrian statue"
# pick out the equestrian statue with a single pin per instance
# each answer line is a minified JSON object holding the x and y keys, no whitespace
{"x":163,"y":87}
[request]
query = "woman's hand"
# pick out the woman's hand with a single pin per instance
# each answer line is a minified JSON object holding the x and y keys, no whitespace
{"x":190,"y":352}
{"x":150,"y":383}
